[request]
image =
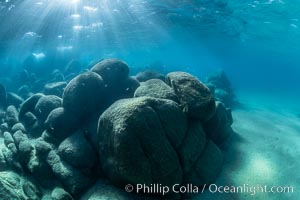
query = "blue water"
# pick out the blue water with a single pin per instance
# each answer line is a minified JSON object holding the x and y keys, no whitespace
{"x":257,"y":43}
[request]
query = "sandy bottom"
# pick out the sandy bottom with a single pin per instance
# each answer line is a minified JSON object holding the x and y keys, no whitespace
{"x":264,"y":152}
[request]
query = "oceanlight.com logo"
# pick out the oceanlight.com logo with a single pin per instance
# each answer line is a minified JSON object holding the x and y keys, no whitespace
{"x":212,"y":188}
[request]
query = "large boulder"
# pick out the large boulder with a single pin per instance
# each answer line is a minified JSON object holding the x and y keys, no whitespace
{"x":156,"y":88}
{"x":84,"y":95}
{"x":218,"y":128}
{"x":138,"y":139}
{"x":195,"y":98}
{"x":113,"y":72}
{"x":148,"y":140}
{"x":14,"y":186}
{"x":118,"y":84}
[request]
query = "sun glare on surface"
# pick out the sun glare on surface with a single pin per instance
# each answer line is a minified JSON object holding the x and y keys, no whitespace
{"x":75,"y":1}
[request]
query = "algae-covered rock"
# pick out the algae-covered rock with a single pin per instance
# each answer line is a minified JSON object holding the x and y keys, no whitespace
{"x":194,"y":97}
{"x":71,"y":178}
{"x":156,"y":88}
{"x":60,"y":194}
{"x":137,"y":141}
{"x":17,"y":127}
{"x":14,"y":186}
{"x":11,"y":115}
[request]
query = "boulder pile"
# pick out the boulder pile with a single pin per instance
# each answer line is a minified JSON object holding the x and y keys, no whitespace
{"x":104,"y":128}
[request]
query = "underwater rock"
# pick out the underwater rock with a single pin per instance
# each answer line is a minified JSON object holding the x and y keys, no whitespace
{"x":118,"y":84}
{"x":223,"y":96}
{"x":60,"y":194}
{"x":90,"y":130}
{"x":207,"y":167}
{"x":129,"y":133}
{"x":77,"y":151}
{"x":72,"y":179}
{"x":130,"y":85}
{"x":24,"y":91}
{"x":156,"y":88}
{"x":18,"y":126}
{"x":19,"y":136}
{"x":25,"y":150}
{"x":149,"y":74}
{"x":9,"y":158}
{"x":29,"y":105}
{"x":219,"y":79}
{"x":3,"y":165}
{"x":113,"y":71}
{"x":192,"y":146}
{"x":3,"y":98}
{"x":8,"y":139}
{"x":83,"y":95}
{"x":29,"y":120}
{"x":45,"y":105}
{"x":211,"y":87}
{"x":223,"y":91}
{"x":14,"y":99}
{"x":56,"y":88}
{"x":218,"y":127}
{"x":36,"y":129}
{"x":3,"y":127}
{"x":195,"y":98}
{"x":37,"y":164}
{"x":61,"y":124}
{"x":14,"y":186}
{"x":11,"y":115}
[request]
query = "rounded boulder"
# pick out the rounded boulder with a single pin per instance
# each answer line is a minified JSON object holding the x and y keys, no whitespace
{"x":83,"y":95}
{"x":195,"y":98}
{"x":138,"y":139}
